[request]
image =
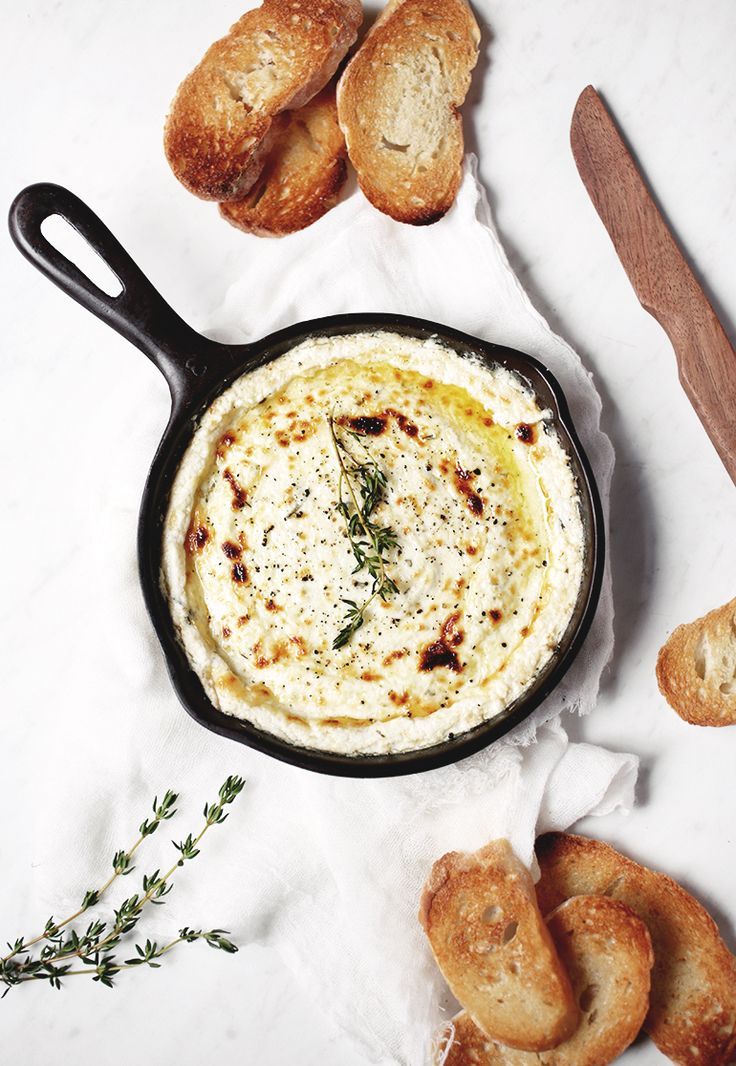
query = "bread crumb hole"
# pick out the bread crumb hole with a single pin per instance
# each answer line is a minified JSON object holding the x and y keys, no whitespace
{"x":491,"y":914}
{"x":728,"y":688}
{"x":592,"y":1017}
{"x":700,"y":658}
{"x":514,"y":968}
{"x":392,"y":146}
{"x":510,"y":932}
{"x":587,"y":996}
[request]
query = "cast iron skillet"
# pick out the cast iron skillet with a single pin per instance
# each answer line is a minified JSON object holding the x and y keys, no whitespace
{"x":197,"y":369}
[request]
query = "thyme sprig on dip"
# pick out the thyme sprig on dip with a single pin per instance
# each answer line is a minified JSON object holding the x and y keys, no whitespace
{"x":93,"y":947}
{"x":370,"y":543}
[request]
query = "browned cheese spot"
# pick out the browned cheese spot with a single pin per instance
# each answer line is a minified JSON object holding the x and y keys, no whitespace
{"x":196,"y":538}
{"x":464,"y":484}
{"x":297,"y":433}
{"x":374,"y":425}
{"x":301,"y":648}
{"x":496,"y":615}
{"x":240,"y":497}
{"x":394,"y":655}
{"x":442,"y":652}
{"x":525,"y":433}
{"x":262,"y":660}
{"x":240,"y":574}
{"x":232,"y":551}
{"x":366,"y":425}
{"x":271,"y":605}
{"x":226,"y":441}
{"x":405,"y":424}
{"x":399,"y":698}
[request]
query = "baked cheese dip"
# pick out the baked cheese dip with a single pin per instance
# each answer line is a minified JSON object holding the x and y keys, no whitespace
{"x":372,"y":544}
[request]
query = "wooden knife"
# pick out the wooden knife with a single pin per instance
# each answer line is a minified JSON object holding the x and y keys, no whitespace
{"x":657,"y":269}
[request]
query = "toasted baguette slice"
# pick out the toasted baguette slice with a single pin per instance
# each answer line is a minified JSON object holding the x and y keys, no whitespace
{"x":302,"y":177}
{"x":481,"y":916}
{"x":608,"y":954}
{"x":398,"y":104}
{"x":222,"y":126}
{"x":696,"y":669}
{"x":692,"y":1012}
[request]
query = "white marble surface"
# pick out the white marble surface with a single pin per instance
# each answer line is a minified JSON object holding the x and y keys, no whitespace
{"x":85,"y":87}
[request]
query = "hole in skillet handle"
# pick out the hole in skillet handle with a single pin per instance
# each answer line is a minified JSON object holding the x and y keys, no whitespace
{"x":62,"y":236}
{"x":131,"y":306}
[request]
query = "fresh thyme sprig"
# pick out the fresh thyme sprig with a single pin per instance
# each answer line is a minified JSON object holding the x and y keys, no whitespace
{"x":93,"y":947}
{"x":370,"y":543}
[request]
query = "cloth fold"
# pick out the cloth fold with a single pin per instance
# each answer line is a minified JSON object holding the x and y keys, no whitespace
{"x":329,"y":871}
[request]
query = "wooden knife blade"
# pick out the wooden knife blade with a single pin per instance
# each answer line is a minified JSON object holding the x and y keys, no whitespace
{"x":663,"y":281}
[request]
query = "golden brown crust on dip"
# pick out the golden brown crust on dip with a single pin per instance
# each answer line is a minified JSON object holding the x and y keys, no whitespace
{"x":696,"y":668}
{"x":607,"y":952}
{"x":692,"y":1012}
{"x":399,"y":101}
{"x":302,"y":177}
{"x":224,"y":118}
{"x":480,"y":914}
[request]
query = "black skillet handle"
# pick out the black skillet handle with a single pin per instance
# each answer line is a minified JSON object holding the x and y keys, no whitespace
{"x":143,"y":317}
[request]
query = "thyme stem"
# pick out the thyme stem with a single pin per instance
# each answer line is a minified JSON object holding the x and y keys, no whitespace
{"x":381,"y":539}
{"x":121,"y":866}
{"x":91,"y":946}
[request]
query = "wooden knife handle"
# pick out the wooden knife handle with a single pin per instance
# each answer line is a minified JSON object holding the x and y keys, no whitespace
{"x":707,"y":365}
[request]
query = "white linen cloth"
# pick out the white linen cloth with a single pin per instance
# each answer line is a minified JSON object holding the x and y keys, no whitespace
{"x":329,"y":871}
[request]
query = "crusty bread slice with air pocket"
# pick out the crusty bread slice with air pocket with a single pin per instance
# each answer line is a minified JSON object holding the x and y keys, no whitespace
{"x":696,"y":668}
{"x":302,"y":177}
{"x":481,"y":916}
{"x":398,"y":102}
{"x":692,"y":1011}
{"x":607,"y":952}
{"x":224,"y":119}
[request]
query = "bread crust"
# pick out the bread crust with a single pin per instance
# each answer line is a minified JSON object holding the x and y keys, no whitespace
{"x":696,"y":668}
{"x":223,"y":121}
{"x":607,"y":951}
{"x":398,"y":104}
{"x":480,"y":914}
{"x":302,"y":177}
{"x":692,"y":1012}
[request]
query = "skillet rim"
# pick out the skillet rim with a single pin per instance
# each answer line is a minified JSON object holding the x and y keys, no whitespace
{"x":195,"y":395}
